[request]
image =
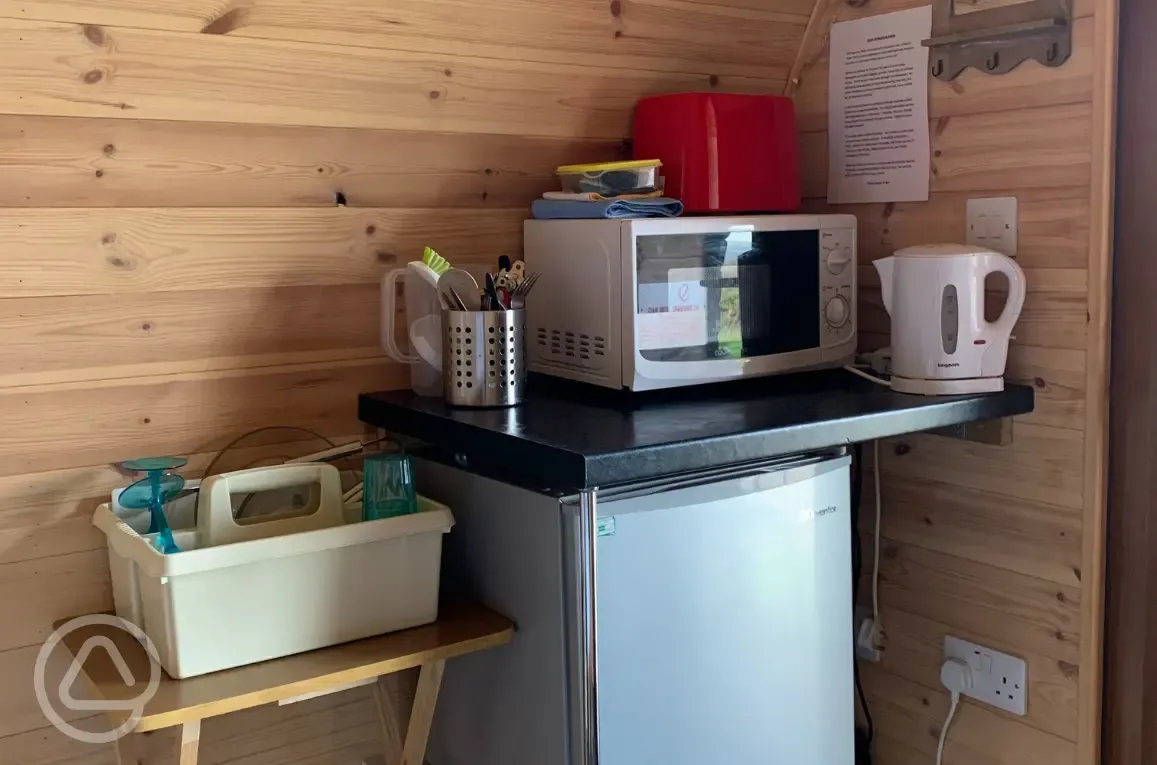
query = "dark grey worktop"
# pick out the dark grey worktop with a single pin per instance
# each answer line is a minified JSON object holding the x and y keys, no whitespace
{"x":572,"y":436}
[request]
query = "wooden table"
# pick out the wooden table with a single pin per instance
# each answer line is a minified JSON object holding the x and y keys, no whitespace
{"x":186,"y":703}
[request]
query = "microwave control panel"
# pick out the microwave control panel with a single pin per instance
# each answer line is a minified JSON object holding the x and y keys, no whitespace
{"x":837,"y":285}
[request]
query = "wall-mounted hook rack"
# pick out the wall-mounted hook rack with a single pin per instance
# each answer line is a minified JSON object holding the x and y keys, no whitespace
{"x":997,"y":40}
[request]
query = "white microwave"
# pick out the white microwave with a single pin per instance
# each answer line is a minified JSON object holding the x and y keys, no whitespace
{"x":648,"y":304}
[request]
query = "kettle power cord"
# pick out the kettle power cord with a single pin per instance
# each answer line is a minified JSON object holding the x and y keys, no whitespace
{"x":956,"y":676}
{"x":868,"y":376}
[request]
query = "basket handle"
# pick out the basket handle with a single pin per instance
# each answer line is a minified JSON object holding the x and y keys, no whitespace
{"x":215,"y":524}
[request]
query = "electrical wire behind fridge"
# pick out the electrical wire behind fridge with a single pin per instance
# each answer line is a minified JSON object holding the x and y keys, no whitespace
{"x":857,"y":561}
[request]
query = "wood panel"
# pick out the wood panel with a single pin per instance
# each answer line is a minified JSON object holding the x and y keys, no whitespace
{"x":1030,"y":538}
{"x":913,"y":714}
{"x":340,"y":729}
{"x":1058,"y":381}
{"x":49,"y":589}
{"x":91,"y":71}
{"x":1053,"y":233}
{"x":1028,"y":86}
{"x":751,"y":39}
{"x":19,"y":710}
{"x":99,"y":251}
{"x":50,"y":513}
{"x":72,"y":424}
{"x":1042,"y":464}
{"x":1102,"y":191}
{"x":83,"y":162}
{"x":916,"y":652}
{"x":1023,"y":611}
{"x":1004,"y":150}
{"x":998,"y":544}
{"x":99,"y":337}
{"x":1129,"y":735}
{"x":176,"y":270}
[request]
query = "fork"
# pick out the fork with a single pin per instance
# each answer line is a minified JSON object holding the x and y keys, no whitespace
{"x":518,"y":297}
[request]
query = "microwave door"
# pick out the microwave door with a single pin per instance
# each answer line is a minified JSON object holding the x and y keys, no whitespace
{"x":725,"y":299}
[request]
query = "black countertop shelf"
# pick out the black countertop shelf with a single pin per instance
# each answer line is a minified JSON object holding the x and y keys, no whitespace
{"x":571,"y":436}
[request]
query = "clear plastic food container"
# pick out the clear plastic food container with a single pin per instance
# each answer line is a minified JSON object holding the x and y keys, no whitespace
{"x":638,"y":176}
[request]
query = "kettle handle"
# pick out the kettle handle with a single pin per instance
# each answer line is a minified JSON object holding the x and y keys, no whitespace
{"x":389,"y":296}
{"x":1017,"y":289}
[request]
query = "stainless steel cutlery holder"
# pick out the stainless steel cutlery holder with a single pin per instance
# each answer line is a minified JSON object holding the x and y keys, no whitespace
{"x":484,"y":357}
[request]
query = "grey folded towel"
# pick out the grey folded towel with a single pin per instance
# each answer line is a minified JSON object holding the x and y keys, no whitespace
{"x":659,"y":207}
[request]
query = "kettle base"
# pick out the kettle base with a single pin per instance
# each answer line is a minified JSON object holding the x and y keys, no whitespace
{"x":925,"y":387}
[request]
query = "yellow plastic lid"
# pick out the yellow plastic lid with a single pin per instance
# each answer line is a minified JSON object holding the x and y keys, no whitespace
{"x":600,"y":167}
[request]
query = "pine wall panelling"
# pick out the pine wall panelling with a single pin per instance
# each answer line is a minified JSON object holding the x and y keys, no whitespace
{"x":174,"y":270}
{"x":1000,"y":545}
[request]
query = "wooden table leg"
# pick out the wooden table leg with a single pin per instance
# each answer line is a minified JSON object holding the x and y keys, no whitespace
{"x":127,"y":749}
{"x":190,"y":738}
{"x":388,"y":714}
{"x":422,"y":714}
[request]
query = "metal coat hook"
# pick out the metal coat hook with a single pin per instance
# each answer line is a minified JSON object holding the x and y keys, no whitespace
{"x":997,"y":40}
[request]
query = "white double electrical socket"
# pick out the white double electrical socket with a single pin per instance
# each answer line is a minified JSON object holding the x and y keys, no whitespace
{"x":992,"y":223}
{"x":997,"y":678}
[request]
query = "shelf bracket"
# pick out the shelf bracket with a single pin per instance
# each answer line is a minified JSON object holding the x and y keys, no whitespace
{"x":997,"y":40}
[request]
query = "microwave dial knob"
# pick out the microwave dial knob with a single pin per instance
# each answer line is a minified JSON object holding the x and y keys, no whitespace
{"x":837,"y":311}
{"x":838,"y":259}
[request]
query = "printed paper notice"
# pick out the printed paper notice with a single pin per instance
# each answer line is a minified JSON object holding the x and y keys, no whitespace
{"x":673,"y":314}
{"x":878,"y":109}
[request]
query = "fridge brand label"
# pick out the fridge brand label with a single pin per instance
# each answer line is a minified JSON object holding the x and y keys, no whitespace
{"x":811,"y":515}
{"x":606,"y":526}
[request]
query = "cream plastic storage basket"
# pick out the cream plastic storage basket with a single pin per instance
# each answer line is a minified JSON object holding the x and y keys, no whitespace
{"x":208,"y":609}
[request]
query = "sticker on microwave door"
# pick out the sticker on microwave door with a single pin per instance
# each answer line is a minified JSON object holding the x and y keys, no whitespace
{"x":673,"y":314}
{"x":605,"y":526}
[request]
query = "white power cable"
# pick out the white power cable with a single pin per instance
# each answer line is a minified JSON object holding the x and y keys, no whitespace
{"x":877,"y":631}
{"x":866,"y":376}
{"x":876,"y":551}
{"x":956,"y":676}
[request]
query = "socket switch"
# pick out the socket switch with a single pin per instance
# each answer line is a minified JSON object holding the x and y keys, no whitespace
{"x":992,"y":224}
{"x":997,"y":678}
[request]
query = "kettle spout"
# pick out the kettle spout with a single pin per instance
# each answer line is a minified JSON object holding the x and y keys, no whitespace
{"x":884,"y":268}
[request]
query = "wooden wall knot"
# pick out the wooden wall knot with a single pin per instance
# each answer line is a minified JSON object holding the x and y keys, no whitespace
{"x":228,"y":21}
{"x":93,"y":34}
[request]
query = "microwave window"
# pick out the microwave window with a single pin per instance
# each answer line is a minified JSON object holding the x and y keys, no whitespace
{"x":732,"y":295}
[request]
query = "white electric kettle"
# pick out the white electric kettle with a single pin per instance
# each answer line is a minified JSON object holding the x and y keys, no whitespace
{"x":941,"y":342}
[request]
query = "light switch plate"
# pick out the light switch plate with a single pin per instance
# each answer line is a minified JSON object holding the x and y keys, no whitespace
{"x":992,"y":223}
{"x":997,"y":678}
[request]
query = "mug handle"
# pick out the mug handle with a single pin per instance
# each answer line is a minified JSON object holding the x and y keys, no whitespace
{"x":389,"y":344}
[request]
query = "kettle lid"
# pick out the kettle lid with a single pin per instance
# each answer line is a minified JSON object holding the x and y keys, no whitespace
{"x":943,"y":251}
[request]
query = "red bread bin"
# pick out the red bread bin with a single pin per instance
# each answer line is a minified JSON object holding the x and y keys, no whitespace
{"x":722,"y":152}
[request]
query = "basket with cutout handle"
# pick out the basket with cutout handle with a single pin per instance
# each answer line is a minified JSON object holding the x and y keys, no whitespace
{"x":216,"y":525}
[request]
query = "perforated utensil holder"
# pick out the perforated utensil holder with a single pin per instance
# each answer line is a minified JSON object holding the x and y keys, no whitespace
{"x":484,"y":357}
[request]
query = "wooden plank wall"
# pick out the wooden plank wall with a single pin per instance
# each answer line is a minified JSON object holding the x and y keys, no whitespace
{"x":1000,"y":545}
{"x":174,"y":270}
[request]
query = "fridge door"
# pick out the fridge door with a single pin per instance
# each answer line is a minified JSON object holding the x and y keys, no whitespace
{"x":724,"y":622}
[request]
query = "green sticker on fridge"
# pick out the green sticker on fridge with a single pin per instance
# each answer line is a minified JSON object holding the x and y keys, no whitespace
{"x":605,"y":526}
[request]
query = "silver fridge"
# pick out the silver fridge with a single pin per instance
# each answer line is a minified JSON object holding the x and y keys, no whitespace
{"x":711,"y":622}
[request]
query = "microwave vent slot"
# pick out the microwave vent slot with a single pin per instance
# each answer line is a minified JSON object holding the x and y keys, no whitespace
{"x":584,"y":348}
{"x":569,"y":349}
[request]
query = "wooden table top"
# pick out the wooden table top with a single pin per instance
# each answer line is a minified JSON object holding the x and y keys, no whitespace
{"x":459,"y":630}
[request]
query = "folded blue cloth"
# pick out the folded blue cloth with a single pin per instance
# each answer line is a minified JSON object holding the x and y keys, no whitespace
{"x":659,"y":207}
